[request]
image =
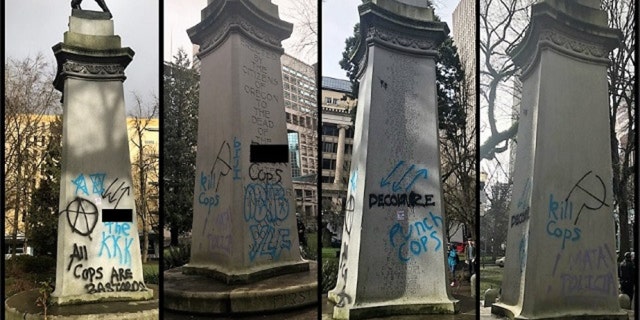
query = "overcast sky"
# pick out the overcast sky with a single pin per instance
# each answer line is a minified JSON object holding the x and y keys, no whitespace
{"x":338,"y":19}
{"x":34,"y":26}
{"x":180,"y":15}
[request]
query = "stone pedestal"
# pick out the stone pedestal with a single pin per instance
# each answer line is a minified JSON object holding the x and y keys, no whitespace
{"x":561,"y":254}
{"x":244,"y":224}
{"x":393,"y":246}
{"x":98,"y":248}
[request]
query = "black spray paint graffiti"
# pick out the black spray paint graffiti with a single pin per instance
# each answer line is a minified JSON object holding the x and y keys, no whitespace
{"x":589,"y":192}
{"x":221,"y":167}
{"x":265,"y":174}
{"x":596,"y":200}
{"x":115,"y":192}
{"x":120,"y":280}
{"x":209,"y":183}
{"x":401,"y":200}
{"x":523,"y":205}
{"x":80,"y":253}
{"x":82,"y":216}
{"x":344,"y":298}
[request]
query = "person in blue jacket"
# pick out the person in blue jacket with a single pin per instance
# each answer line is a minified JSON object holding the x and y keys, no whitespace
{"x":453,"y":262}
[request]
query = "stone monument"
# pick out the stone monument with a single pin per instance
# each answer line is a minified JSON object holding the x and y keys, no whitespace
{"x":561,"y":255}
{"x":98,"y":246}
{"x":245,"y":253}
{"x":98,"y":266}
{"x":393,"y":246}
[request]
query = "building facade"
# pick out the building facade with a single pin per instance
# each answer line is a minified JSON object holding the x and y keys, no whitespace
{"x":337,"y":141}
{"x":301,"y":111}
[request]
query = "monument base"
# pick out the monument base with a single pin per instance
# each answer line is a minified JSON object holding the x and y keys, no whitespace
{"x":23,"y":306}
{"x":250,"y":276}
{"x":391,"y":308}
{"x":509,"y":311}
{"x":196,"y":293}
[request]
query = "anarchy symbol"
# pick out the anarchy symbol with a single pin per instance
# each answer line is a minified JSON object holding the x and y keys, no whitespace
{"x":82,"y":216}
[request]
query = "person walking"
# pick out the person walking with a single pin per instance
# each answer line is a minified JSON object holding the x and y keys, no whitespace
{"x":627,"y":273}
{"x":453,"y":262}
{"x":302,"y":238}
{"x":471,"y":256}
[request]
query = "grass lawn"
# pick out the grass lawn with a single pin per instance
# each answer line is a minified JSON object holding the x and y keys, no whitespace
{"x":312,"y":244}
{"x":490,"y":277}
{"x":329,"y":253}
{"x":151,"y":272}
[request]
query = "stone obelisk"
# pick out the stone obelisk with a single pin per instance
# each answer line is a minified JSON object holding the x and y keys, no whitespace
{"x":98,"y":247}
{"x":561,"y":254}
{"x":244,"y":224}
{"x":393,"y":245}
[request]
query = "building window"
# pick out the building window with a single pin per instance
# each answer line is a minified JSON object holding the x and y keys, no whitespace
{"x":330,"y":129}
{"x":327,"y":100}
{"x":294,"y":153}
{"x":349,"y":132}
{"x":348,"y":148}
{"x":329,"y":164}
{"x":329,"y":147}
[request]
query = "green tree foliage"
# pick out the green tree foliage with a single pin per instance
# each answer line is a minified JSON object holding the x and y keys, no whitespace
{"x":450,"y":79}
{"x":180,"y":126}
{"x":42,"y":217}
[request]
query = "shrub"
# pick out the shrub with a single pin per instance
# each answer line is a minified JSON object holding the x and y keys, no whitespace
{"x":31,"y":264}
{"x":176,"y":256}
{"x":329,"y":274}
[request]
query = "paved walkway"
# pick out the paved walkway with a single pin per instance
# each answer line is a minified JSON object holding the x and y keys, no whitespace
{"x":485,"y":313}
{"x":308,"y":313}
{"x":467,"y":307}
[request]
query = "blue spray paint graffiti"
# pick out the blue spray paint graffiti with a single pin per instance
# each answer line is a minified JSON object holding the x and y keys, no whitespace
{"x":522,"y":252}
{"x":265,"y":207}
{"x":588,"y":272}
{"x":81,"y":184}
{"x":410,"y":244}
{"x":116,"y":242}
{"x":353,"y":180}
{"x":397,"y":185}
{"x":560,"y":212}
{"x":97,"y":180}
{"x":205,"y":198}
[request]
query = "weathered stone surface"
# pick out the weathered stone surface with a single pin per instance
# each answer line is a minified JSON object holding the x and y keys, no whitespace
{"x":244,"y":224}
{"x":202,"y":294}
{"x":393,"y":245}
{"x":23,"y":306}
{"x":98,"y":247}
{"x":561,"y":259}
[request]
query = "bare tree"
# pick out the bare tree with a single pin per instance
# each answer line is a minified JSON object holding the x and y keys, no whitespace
{"x":458,"y":154}
{"x":145,"y":167}
{"x":622,"y":94}
{"x":29,"y":96}
{"x":304,"y":16}
{"x":502,"y":25}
